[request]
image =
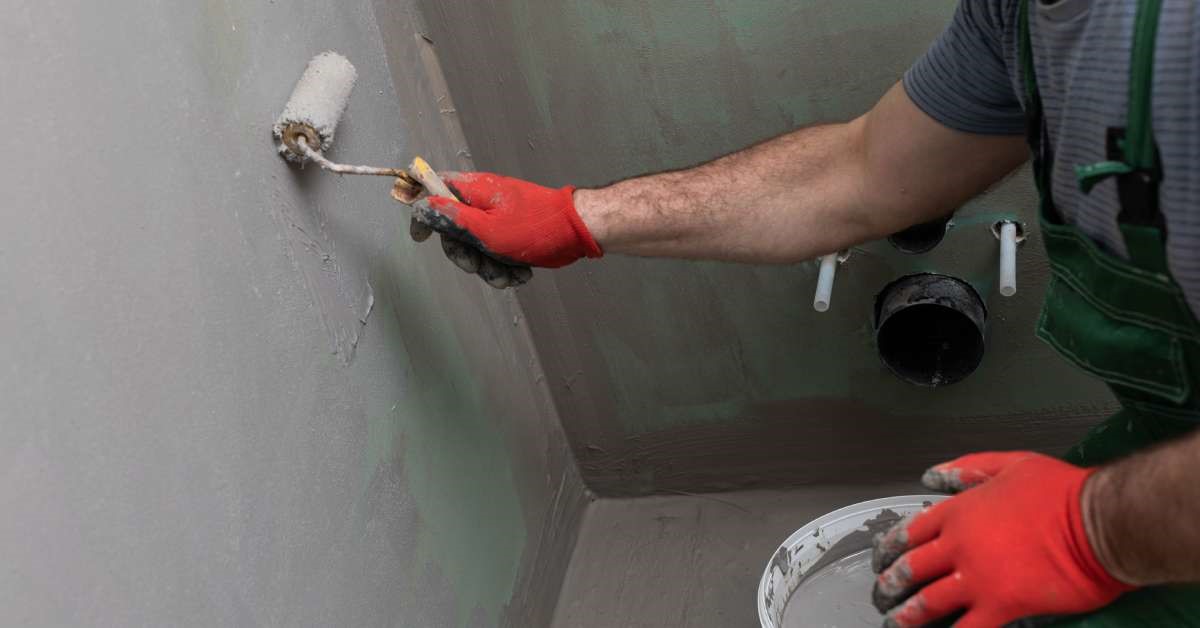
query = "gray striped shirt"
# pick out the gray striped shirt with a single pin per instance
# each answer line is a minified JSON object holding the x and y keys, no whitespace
{"x":970,"y":80}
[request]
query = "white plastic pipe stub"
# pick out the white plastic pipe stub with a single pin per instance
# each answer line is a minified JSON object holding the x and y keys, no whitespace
{"x":1010,"y":235}
{"x":824,"y":296}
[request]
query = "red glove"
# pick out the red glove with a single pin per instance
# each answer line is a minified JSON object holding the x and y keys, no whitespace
{"x":510,"y":220}
{"x":1014,"y":546}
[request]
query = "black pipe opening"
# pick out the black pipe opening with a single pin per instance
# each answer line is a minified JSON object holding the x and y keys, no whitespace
{"x":930,"y":329}
{"x":921,"y":238}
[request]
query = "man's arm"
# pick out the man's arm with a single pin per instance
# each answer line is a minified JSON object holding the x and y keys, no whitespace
{"x":804,"y":194}
{"x":1142,"y":514}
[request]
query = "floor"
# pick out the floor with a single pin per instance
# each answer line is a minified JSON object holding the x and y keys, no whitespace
{"x":690,"y":559}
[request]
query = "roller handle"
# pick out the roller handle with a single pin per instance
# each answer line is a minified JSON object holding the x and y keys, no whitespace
{"x":429,"y":179}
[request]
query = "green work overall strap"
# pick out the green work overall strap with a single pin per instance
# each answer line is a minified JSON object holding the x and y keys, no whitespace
{"x":1035,"y":120}
{"x":1137,"y":149}
{"x":1133,"y":157}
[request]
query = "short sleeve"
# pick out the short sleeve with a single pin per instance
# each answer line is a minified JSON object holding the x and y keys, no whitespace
{"x":963,"y":80}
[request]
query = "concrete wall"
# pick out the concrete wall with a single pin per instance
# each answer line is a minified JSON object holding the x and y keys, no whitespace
{"x":233,"y":392}
{"x":686,"y":376}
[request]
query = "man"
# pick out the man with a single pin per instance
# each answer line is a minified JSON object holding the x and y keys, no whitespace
{"x":1107,"y":95}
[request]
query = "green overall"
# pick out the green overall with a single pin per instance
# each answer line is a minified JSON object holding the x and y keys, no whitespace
{"x":1126,"y":322}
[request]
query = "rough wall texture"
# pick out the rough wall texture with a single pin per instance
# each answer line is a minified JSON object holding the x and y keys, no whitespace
{"x":234,"y":393}
{"x":685,"y":376}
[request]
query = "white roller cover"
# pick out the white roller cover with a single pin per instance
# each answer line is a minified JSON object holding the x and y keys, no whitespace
{"x":319,"y":100}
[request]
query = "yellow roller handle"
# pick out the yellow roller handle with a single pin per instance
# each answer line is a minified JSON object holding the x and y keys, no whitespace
{"x":423,"y":172}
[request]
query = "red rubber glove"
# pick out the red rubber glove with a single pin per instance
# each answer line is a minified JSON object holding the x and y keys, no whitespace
{"x":1013,"y":546}
{"x":513,"y":221}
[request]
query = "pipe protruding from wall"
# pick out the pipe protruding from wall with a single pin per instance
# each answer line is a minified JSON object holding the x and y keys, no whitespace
{"x":1010,"y":235}
{"x":824,"y":295}
{"x":921,"y":238}
{"x":930,"y":329}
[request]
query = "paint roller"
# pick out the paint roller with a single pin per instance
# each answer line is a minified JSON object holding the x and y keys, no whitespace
{"x":305,"y":130}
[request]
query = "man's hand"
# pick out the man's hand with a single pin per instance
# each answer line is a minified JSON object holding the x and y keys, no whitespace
{"x":1013,"y":545}
{"x":503,"y":225}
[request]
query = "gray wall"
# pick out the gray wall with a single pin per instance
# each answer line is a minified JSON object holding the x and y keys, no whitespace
{"x":234,"y":393}
{"x":688,"y":376}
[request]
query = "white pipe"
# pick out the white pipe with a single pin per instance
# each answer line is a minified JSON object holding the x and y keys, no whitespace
{"x":1008,"y":259}
{"x":829,"y":265}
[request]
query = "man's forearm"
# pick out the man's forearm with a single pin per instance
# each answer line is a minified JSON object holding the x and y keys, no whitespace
{"x":804,"y":194}
{"x":1143,"y":515}
{"x":786,"y":199}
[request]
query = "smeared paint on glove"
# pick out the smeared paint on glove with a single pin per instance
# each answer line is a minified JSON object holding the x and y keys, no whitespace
{"x":1011,"y":545}
{"x":504,"y":223}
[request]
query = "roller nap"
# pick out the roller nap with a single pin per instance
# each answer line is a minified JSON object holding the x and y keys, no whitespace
{"x":316,"y":105}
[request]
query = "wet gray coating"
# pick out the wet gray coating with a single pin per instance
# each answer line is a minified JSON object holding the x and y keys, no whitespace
{"x":837,"y":596}
{"x":836,"y":590}
{"x":858,"y":540}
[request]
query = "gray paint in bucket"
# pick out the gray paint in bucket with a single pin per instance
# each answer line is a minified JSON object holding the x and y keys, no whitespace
{"x":836,"y":595}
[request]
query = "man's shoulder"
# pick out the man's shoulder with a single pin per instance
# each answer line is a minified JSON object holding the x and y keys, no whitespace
{"x":963,"y":81}
{"x":995,"y":16}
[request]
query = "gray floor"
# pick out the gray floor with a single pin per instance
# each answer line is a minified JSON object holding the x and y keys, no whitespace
{"x":688,"y":560}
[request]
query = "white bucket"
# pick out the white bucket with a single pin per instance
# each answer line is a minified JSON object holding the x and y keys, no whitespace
{"x":840,"y":534}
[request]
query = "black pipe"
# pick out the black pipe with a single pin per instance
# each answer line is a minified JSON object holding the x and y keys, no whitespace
{"x":930,"y":329}
{"x":921,"y":238}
